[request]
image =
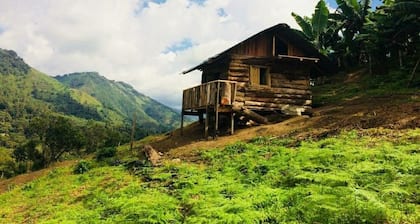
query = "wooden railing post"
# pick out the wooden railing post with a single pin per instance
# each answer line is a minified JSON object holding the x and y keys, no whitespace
{"x":216,"y":125}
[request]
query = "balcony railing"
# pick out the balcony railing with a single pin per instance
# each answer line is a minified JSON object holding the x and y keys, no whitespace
{"x":210,"y":94}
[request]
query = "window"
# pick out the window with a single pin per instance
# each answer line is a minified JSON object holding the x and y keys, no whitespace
{"x":260,"y":76}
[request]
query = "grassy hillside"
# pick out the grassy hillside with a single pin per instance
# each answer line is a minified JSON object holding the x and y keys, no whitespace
{"x":124,"y":100}
{"x":355,"y":161}
{"x":368,"y":176}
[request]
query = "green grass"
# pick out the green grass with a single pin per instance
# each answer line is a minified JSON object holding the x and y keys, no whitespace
{"x":356,"y":177}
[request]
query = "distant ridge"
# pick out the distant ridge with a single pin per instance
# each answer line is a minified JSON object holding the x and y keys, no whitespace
{"x":26,"y":93}
{"x":123,"y":99}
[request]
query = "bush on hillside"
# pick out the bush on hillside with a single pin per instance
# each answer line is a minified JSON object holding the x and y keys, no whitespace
{"x":106,"y":152}
{"x":81,"y":167}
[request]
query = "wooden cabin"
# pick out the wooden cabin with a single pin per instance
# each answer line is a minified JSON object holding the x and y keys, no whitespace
{"x":267,"y":73}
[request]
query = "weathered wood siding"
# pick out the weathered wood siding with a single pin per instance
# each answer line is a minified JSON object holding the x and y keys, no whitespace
{"x":221,"y":92}
{"x":289,"y":90}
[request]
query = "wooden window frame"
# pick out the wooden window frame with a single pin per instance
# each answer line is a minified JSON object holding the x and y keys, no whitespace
{"x":255,"y":74}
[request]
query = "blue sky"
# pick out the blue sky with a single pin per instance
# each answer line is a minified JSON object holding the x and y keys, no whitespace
{"x":374,"y":3}
{"x":146,"y":43}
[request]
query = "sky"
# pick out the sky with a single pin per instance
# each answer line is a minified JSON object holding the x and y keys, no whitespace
{"x":145,"y":43}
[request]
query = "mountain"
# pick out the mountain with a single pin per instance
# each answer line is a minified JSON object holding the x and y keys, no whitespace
{"x":120,"y":101}
{"x":26,"y":94}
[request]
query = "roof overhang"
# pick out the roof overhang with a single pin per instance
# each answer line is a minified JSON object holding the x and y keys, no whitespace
{"x":294,"y":36}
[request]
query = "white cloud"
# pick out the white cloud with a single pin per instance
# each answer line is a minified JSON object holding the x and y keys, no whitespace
{"x":124,"y":41}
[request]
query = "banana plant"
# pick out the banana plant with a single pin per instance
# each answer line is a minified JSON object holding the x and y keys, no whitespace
{"x":391,"y":34}
{"x":315,"y":27}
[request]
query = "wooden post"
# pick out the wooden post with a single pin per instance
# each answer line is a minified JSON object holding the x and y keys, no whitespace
{"x":274,"y":45}
{"x":216,"y":125}
{"x":133,"y":129}
{"x":206,"y":124}
{"x":182,"y":122}
{"x":413,"y":72}
{"x":232,"y":122}
{"x":232,"y":115}
{"x":200,"y":117}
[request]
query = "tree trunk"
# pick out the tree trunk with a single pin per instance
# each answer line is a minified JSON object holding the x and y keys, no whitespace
{"x":413,"y":72}
{"x":400,"y":58}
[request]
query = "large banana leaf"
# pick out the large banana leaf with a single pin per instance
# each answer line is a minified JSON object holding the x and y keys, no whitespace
{"x":304,"y":25}
{"x":354,"y":4}
{"x":320,"y":18}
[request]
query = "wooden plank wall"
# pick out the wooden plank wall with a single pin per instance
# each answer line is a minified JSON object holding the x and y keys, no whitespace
{"x":289,"y":93}
{"x":261,"y":45}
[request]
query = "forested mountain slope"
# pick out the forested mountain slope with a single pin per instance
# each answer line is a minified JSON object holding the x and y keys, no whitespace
{"x":120,"y":101}
{"x":26,"y":93}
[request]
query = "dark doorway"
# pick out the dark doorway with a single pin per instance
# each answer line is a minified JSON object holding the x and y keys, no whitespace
{"x":281,"y":47}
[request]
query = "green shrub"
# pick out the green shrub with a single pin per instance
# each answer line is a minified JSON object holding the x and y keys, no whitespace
{"x":82,"y":167}
{"x":107,"y":152}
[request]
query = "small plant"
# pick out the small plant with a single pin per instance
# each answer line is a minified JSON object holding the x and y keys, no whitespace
{"x":28,"y":186}
{"x":82,"y":166}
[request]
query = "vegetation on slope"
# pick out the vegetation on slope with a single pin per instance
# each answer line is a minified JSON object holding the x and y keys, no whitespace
{"x":384,"y":38}
{"x":34,"y":95}
{"x":36,"y":111}
{"x":358,"y":84}
{"x":12,"y":64}
{"x":120,"y":101}
{"x":368,"y":176}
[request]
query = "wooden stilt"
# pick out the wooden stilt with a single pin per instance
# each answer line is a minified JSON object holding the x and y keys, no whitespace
{"x":232,"y":123}
{"x":182,"y":122}
{"x":216,"y":125}
{"x":206,"y":124}
{"x":201,"y":118}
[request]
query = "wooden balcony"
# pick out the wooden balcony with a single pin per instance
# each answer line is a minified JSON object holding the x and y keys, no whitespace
{"x":219,"y":93}
{"x":211,"y":98}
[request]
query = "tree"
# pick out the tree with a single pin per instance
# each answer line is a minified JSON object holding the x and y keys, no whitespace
{"x":392,"y":35}
{"x":29,"y":156}
{"x":7,"y":163}
{"x":61,"y":136}
{"x":95,"y":135}
{"x":51,"y":137}
{"x":350,"y":17}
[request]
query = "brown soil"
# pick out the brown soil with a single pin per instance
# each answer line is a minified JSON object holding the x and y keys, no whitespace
{"x":392,"y":112}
